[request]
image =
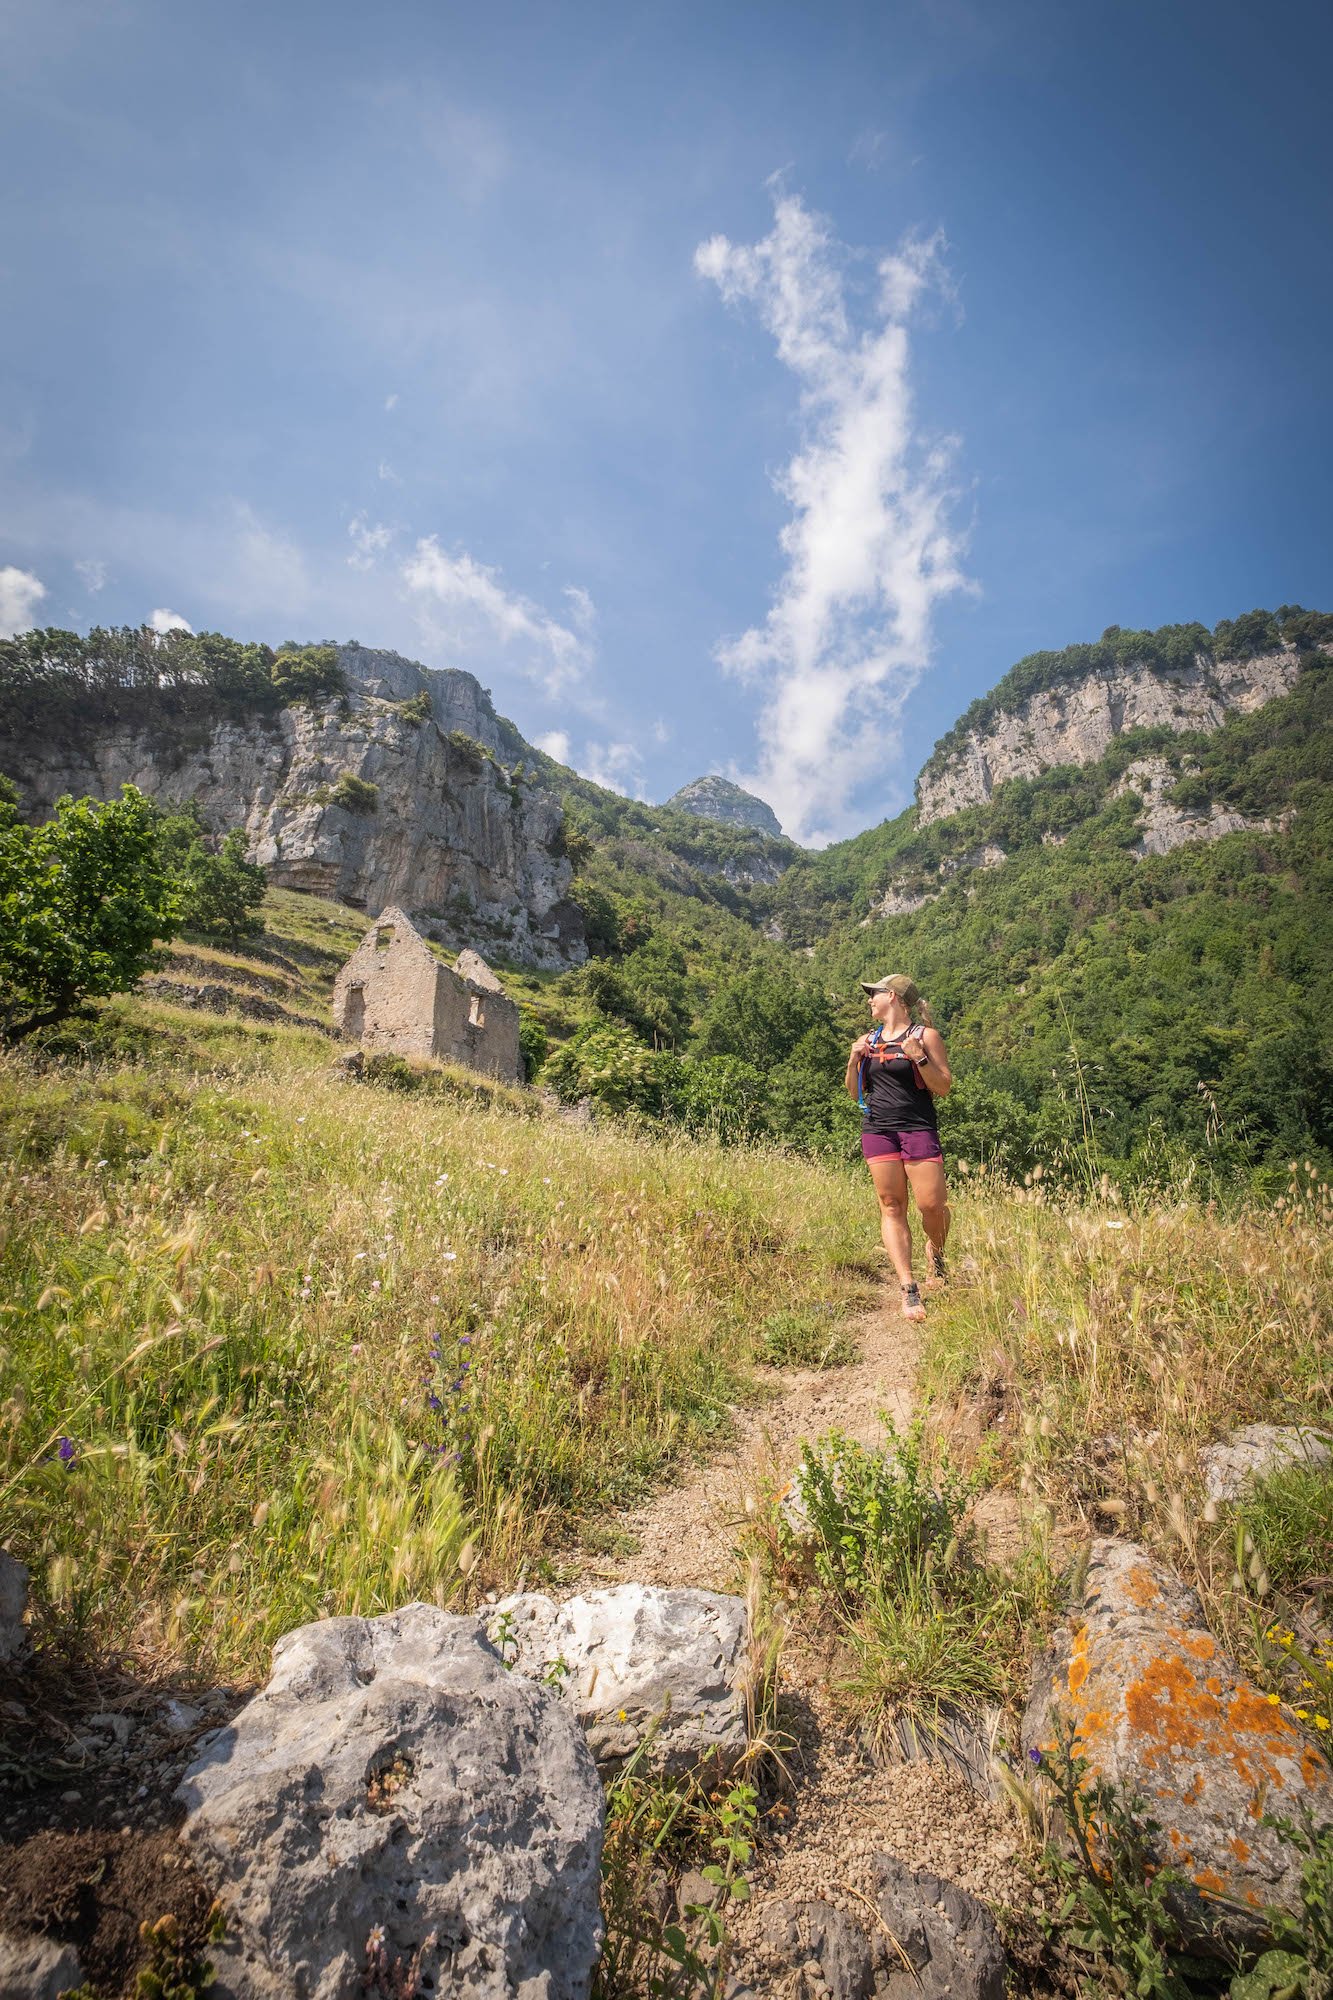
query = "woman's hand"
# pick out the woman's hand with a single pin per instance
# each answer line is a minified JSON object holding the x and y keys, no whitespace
{"x":860,"y":1047}
{"x":914,"y":1045}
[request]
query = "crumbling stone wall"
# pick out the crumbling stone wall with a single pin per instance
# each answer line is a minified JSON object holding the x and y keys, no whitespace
{"x":393,"y":993}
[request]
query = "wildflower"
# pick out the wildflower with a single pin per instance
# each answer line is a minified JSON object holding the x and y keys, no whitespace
{"x":465,"y":1340}
{"x":375,"y":1941}
{"x":375,"y":1286}
{"x":434,"y":1403}
{"x":1322,"y":1722}
{"x":451,"y":1256}
{"x":356,"y":1347}
{"x":1034,"y":1756}
{"x":358,"y":1256}
{"x":1274,"y":1700}
{"x":435,"y":1298}
{"x":66,"y":1450}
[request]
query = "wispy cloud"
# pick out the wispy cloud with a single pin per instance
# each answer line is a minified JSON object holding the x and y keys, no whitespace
{"x":20,"y":594}
{"x":555,"y":743}
{"x":368,"y":543}
{"x":94,"y":576}
{"x":617,"y":766}
{"x":164,"y":621}
{"x":465,"y":605}
{"x":387,"y":473}
{"x":870,"y":547}
{"x":391,"y":401}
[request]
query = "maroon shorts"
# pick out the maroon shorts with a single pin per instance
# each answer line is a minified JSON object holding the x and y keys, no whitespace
{"x":901,"y":1146}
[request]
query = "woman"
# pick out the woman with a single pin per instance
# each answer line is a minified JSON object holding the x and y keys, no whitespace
{"x":896,"y":1072}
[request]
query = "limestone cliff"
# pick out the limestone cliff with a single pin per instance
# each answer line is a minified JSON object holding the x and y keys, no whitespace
{"x":1074,"y":722}
{"x":473,"y":855}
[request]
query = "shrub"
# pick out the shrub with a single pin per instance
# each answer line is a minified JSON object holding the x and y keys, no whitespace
{"x":874,"y":1515}
{"x":416,"y":709}
{"x":533,"y":1043}
{"x":355,"y":795}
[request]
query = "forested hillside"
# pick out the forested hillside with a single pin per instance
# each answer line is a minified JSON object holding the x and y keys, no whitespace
{"x":1131,"y":957}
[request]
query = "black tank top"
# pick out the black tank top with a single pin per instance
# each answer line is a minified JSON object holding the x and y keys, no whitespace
{"x":897,"y":1099}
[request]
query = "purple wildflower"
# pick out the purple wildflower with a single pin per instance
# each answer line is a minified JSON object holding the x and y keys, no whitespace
{"x":434,"y":1402}
{"x":1035,"y":1756}
{"x":66,"y":1450}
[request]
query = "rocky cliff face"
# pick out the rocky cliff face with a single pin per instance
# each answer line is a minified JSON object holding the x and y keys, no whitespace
{"x":717,"y":798}
{"x":472,"y":856}
{"x":1075,"y":722}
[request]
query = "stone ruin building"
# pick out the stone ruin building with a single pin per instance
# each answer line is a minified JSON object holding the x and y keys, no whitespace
{"x":393,"y":993}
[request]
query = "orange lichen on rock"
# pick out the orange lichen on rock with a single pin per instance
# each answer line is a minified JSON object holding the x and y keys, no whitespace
{"x":1168,"y":1708}
{"x":1209,"y":1882}
{"x":1141,"y":1587}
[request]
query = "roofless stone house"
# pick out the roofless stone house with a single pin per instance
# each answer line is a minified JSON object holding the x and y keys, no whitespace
{"x":393,"y":993}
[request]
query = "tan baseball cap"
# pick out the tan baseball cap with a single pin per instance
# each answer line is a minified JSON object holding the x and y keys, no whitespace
{"x":894,"y":982}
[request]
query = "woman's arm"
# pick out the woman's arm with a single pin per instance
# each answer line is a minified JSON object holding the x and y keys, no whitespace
{"x":852,"y":1080}
{"x":934,"y":1071}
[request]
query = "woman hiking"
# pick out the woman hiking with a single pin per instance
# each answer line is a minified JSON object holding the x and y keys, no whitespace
{"x":896,"y":1072}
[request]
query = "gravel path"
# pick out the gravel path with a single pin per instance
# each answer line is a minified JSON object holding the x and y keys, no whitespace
{"x":845,"y":1807}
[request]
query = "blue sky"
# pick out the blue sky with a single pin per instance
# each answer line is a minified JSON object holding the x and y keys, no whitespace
{"x":730,"y":387}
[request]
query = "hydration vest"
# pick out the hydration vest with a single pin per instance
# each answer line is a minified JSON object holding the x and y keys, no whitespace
{"x":882,"y":1051}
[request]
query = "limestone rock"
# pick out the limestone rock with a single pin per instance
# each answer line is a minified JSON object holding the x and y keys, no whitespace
{"x":799,"y":1932}
{"x":393,"y":1776}
{"x":36,"y":1968}
{"x":934,"y":1941}
{"x":1076,"y":722}
{"x":1160,"y":1711}
{"x":14,"y":1640}
{"x":1231,"y":1468}
{"x":635,"y":1656}
{"x":474,"y":857}
{"x":949,"y":1936}
{"x":717,"y":798}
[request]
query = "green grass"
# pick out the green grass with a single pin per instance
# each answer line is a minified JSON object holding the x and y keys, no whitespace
{"x":318,"y":1347}
{"x":812,"y":1338}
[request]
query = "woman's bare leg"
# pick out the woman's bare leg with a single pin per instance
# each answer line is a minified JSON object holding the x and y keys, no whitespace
{"x":891,"y":1189}
{"x":931,"y":1196}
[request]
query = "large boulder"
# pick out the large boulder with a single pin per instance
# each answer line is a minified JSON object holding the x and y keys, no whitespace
{"x":392,"y":1793}
{"x":1159,"y":1711}
{"x":637,"y":1662}
{"x":1231,"y":1468}
{"x":14,"y":1640}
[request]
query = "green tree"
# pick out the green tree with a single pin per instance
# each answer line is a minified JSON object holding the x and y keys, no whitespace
{"x":83,"y":901}
{"x":308,"y":673}
{"x":219,"y":891}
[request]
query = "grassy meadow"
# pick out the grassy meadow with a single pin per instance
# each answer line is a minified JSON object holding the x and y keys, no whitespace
{"x":274,"y":1343}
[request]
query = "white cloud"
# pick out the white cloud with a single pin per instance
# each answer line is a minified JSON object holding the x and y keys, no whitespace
{"x":391,"y":402}
{"x":387,"y":473}
{"x":466,"y":606}
{"x":94,"y":576}
{"x":869,"y":547}
{"x":368,"y":544}
{"x":168,"y":621}
{"x":555,"y":743}
{"x":20,"y":594}
{"x":617,"y":766}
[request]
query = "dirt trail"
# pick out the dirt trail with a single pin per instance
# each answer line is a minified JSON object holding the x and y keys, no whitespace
{"x":845,"y":1806}
{"x":687,"y":1534}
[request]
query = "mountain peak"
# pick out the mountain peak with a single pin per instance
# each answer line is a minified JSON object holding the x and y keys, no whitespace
{"x":717,"y":798}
